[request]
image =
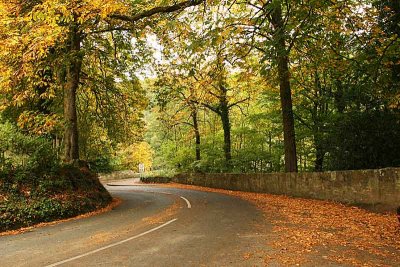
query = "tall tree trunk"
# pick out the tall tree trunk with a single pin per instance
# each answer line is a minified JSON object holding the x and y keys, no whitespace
{"x":226,"y":125}
{"x":227,"y":138}
{"x":285,"y":91}
{"x":73,"y":70}
{"x":319,"y":111}
{"x":196,"y":133}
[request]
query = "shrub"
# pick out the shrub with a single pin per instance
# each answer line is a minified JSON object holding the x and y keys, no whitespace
{"x":35,"y":188}
{"x":66,"y":192}
{"x":367,"y":140}
{"x":156,"y":179}
{"x":24,"y":152}
{"x":103,"y":165}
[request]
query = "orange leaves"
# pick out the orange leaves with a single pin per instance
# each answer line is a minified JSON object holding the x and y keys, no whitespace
{"x":26,"y":36}
{"x":344,"y":234}
{"x":322,"y":233}
{"x":20,"y":98}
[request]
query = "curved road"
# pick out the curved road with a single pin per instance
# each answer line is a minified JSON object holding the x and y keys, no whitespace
{"x":153,"y":226}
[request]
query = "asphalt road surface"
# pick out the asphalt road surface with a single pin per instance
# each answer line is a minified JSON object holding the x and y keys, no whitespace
{"x":153,"y":226}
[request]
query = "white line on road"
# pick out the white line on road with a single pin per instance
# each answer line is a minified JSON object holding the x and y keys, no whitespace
{"x":166,"y":193}
{"x":111,"y":245}
{"x":187,"y":202}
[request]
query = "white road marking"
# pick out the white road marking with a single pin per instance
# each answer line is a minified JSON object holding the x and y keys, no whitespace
{"x":111,"y":245}
{"x":166,"y":193}
{"x":187,"y":202}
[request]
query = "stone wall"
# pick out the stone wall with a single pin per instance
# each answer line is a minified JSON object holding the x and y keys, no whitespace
{"x":373,"y":189}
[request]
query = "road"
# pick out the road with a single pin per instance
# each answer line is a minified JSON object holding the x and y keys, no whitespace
{"x":153,"y":226}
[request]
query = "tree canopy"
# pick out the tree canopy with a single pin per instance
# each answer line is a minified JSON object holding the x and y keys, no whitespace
{"x":243,"y":86}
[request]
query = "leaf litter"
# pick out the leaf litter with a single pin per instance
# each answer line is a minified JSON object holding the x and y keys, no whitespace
{"x":309,"y":232}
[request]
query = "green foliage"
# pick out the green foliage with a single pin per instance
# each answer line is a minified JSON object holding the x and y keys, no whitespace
{"x":102,"y":165}
{"x":29,"y":198}
{"x":157,"y":176}
{"x":159,"y":173}
{"x":155,"y":179}
{"x":344,"y":76}
{"x":19,"y":213}
{"x":364,"y":140}
{"x":219,"y":64}
{"x":35,"y":188}
{"x":21,"y":151}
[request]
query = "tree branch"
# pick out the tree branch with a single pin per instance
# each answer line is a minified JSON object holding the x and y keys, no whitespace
{"x":299,"y":28}
{"x":302,"y":121}
{"x":238,"y":102}
{"x":214,"y":109}
{"x":111,"y":29}
{"x":156,"y":10}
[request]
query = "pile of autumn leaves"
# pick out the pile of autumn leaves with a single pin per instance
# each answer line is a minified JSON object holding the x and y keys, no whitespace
{"x":309,"y":232}
{"x":313,"y":230}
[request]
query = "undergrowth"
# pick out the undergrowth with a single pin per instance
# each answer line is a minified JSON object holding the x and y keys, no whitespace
{"x":27,"y":198}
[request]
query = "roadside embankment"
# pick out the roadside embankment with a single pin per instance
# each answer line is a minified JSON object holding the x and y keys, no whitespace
{"x":29,"y":199}
{"x":373,"y":189}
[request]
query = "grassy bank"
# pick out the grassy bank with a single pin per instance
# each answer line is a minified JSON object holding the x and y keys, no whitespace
{"x":27,"y":199}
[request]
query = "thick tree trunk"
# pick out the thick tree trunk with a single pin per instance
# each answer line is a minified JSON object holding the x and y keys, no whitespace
{"x":287,"y":114}
{"x":196,"y":133}
{"x":226,"y":125}
{"x":73,"y":69}
{"x":285,"y":91}
{"x":227,"y":139}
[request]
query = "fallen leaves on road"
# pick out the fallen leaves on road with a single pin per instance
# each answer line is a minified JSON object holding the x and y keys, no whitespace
{"x":314,"y":232}
{"x":100,"y":238}
{"x":164,"y":215}
{"x":247,"y":255}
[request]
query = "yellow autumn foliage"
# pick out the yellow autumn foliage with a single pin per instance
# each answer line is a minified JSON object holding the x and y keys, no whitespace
{"x":131,"y":156}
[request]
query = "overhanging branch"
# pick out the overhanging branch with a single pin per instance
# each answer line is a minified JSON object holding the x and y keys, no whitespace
{"x":156,"y":10}
{"x":238,"y":102}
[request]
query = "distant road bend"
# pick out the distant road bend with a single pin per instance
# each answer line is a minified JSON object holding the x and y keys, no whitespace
{"x":153,"y":226}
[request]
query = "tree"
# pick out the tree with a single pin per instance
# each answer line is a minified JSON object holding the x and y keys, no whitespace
{"x":177,"y":91}
{"x":70,"y":23}
{"x":276,"y":26}
{"x":282,"y":58}
{"x":210,"y":85}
